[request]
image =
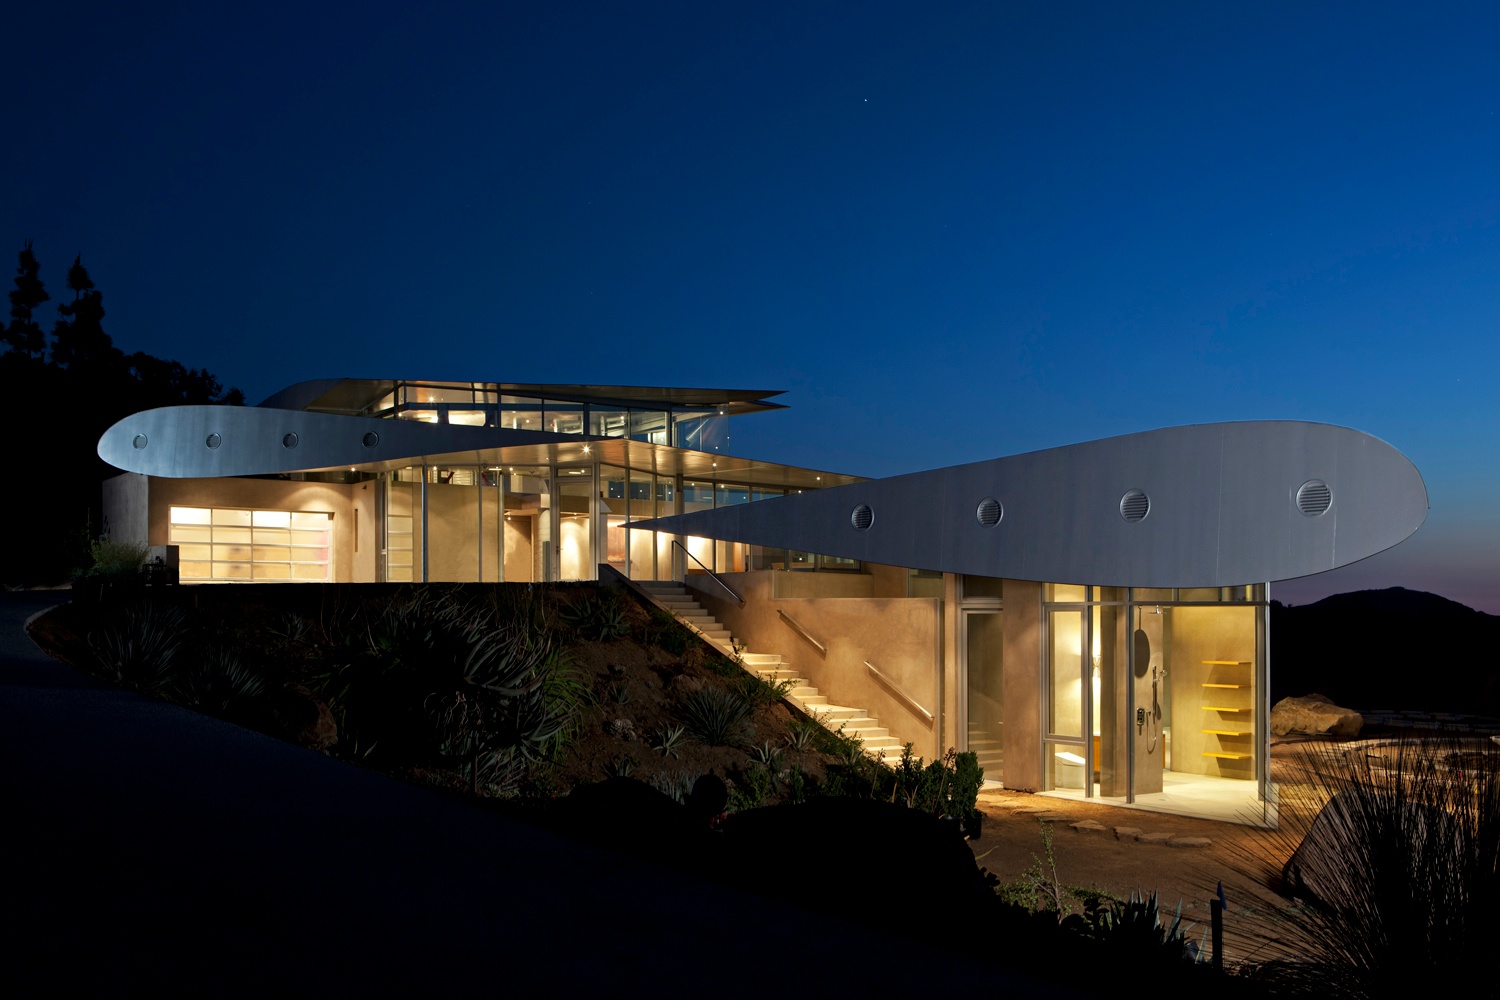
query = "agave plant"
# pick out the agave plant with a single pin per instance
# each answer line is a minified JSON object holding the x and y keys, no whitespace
{"x":715,"y":716}
{"x":667,"y":739}
{"x":221,"y":683}
{"x":139,"y":645}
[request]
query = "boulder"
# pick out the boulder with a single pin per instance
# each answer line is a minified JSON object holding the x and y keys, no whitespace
{"x":1314,"y":715}
{"x":303,"y":719}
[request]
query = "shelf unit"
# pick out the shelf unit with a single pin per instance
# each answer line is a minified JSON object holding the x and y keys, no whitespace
{"x":1221,"y":728}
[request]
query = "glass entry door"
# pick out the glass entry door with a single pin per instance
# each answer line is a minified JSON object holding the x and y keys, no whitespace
{"x":984,"y":689}
{"x":1067,"y":755}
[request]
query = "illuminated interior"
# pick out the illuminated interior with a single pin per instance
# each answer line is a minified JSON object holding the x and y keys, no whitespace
{"x":228,"y":544}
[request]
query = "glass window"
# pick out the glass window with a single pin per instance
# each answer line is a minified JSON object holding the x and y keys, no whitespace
{"x":983,"y":587}
{"x":560,"y":417}
{"x":520,"y":413}
{"x":227,"y":544}
{"x":605,"y":422}
{"x":1064,"y":593}
{"x":649,"y":425}
{"x":729,"y":494}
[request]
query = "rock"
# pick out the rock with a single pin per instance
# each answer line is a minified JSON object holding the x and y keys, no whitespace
{"x":685,"y":684}
{"x":304,"y":719}
{"x":1153,"y":838}
{"x":1087,"y":826}
{"x":620,"y":729}
{"x":1127,"y":832}
{"x":1189,"y":842}
{"x":1314,"y":715}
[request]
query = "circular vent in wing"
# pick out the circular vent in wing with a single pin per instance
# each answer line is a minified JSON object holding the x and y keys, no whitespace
{"x":371,"y":439}
{"x":212,"y":441}
{"x":1314,"y":497}
{"x":138,"y":442}
{"x":862,"y":517}
{"x":289,"y":440}
{"x":1134,"y":505}
{"x":989,"y":512}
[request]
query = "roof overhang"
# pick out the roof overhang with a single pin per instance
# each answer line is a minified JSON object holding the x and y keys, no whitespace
{"x":188,"y":442}
{"x":1223,"y":510}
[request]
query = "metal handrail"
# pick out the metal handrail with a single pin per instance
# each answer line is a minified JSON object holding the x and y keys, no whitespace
{"x":896,"y":690}
{"x":802,"y":632}
{"x":712,"y":575}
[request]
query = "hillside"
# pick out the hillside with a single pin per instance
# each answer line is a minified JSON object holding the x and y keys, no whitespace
{"x":1393,"y":648}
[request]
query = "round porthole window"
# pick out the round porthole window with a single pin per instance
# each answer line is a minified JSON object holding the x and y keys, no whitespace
{"x":1135,"y":505}
{"x":371,"y":439}
{"x":1314,"y":498}
{"x":289,"y":440}
{"x":989,"y":512}
{"x":138,"y":442}
{"x":862,"y":517}
{"x":213,"y":441}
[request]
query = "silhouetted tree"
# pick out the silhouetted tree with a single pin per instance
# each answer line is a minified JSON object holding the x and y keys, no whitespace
{"x":78,"y":339}
{"x":24,"y":334}
{"x":69,"y":400}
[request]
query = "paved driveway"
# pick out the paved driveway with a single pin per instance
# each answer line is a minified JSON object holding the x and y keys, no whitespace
{"x":154,"y":850}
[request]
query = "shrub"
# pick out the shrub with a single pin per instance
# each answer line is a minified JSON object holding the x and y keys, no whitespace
{"x":762,"y":691}
{"x":597,"y":617}
{"x":116,"y":560}
{"x":715,"y":716}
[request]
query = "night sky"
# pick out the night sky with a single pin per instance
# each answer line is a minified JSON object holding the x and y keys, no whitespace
{"x":951,"y":233}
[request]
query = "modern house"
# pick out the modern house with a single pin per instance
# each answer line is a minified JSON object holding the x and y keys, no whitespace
{"x":1091,"y":619}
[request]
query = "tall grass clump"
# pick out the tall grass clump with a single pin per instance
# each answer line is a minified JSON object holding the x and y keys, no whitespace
{"x":1396,"y":867}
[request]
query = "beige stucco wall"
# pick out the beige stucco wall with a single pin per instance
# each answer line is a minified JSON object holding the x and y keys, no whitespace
{"x":352,"y":506}
{"x":1023,"y":685}
{"x":902,"y":637}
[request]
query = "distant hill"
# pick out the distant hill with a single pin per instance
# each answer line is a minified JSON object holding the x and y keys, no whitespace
{"x":1394,"y":648}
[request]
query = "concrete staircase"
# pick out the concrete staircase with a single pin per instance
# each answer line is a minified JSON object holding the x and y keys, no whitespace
{"x":858,"y":722}
{"x":988,"y":749}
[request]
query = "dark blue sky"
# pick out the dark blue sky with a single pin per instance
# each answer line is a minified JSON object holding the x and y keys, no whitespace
{"x":952,"y":233}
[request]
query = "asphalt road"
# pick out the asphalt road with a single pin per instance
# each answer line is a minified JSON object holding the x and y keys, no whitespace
{"x":151,"y":850}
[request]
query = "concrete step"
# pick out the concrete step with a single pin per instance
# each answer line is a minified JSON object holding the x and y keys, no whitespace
{"x":768,"y":660}
{"x":775,"y":673}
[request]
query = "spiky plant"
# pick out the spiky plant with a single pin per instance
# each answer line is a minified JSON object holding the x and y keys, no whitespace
{"x":1397,"y":861}
{"x":715,"y":716}
{"x":139,"y":645}
{"x":668,"y":739}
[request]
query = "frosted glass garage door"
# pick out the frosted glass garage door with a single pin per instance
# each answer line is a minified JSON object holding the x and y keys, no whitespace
{"x":232,"y":545}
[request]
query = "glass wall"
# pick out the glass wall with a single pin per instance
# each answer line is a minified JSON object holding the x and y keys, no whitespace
{"x":1164,"y":683}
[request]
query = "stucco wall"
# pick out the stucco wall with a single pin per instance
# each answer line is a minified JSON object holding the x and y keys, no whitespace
{"x":900,"y":636}
{"x":354,"y":546}
{"x":127,"y":508}
{"x":1023,"y":685}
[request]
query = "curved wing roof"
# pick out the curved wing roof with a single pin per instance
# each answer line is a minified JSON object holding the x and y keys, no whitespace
{"x":1221,"y":509}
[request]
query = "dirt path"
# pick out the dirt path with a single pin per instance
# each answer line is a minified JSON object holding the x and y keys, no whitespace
{"x":1012,"y":842}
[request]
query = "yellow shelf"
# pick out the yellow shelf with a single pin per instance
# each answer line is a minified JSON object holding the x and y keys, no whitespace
{"x":1230,"y":687}
{"x":1229,"y":663}
{"x":1230,"y":732}
{"x":1226,"y":756}
{"x":1223,"y":708}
